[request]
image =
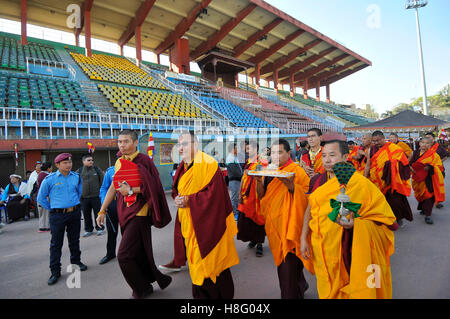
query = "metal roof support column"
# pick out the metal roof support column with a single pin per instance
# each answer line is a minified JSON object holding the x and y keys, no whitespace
{"x":87,"y":32}
{"x":291,"y":85}
{"x":23,"y":21}
{"x":305,"y":88}
{"x":318,"y":91}
{"x":257,"y":74}
{"x":275,"y":80}
{"x":328,"y":93}
{"x":137,"y":34}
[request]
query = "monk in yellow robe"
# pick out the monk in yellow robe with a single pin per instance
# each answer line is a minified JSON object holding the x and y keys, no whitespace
{"x":283,"y":202}
{"x":350,"y":257}
{"x":388,"y":168}
{"x":427,"y":178}
{"x":207,"y":222}
{"x":393,"y":137}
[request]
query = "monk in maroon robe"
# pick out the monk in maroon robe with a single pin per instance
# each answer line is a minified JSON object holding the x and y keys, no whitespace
{"x":179,"y":259}
{"x":136,"y":217}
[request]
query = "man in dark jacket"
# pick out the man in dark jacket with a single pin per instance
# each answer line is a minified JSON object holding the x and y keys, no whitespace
{"x":92,"y":178}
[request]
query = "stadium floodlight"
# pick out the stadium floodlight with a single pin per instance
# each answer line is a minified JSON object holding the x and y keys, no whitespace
{"x":413,"y":4}
{"x":416,"y":4}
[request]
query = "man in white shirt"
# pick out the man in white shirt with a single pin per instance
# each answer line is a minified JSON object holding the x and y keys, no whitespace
{"x":30,"y":184}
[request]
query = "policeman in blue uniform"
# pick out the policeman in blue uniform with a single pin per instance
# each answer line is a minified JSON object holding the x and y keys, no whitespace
{"x":60,"y":193}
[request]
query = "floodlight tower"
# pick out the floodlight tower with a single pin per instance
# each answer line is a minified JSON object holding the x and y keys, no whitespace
{"x":416,"y":4}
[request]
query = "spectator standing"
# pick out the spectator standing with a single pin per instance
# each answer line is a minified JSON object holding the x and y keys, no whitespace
{"x":92,"y":178}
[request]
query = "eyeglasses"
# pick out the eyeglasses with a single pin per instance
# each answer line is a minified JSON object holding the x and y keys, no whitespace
{"x":89,"y":160}
{"x":184,"y":144}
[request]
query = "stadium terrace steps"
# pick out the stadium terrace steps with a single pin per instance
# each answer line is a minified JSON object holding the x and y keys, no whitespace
{"x":66,"y":58}
{"x":96,"y":98}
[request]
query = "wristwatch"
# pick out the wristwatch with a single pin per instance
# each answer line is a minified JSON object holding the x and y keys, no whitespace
{"x":130,"y":192}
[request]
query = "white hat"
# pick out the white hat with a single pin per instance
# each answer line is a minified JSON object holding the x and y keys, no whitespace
{"x":15,"y":175}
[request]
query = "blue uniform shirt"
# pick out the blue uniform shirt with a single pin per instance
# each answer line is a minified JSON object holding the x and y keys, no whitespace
{"x":63,"y":191}
{"x":107,"y":181}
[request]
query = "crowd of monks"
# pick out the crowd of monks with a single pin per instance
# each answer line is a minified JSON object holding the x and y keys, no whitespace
{"x":334,"y":215}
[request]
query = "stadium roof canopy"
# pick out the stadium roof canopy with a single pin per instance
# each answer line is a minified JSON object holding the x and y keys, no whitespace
{"x":252,"y":30}
{"x":405,"y":121}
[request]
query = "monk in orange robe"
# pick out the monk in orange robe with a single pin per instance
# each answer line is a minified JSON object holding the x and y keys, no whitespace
{"x":388,"y":168}
{"x":360,"y":158}
{"x":283,"y":202}
{"x":443,"y":154}
{"x":427,"y":178}
{"x":353,"y":149}
{"x":311,"y":160}
{"x":393,"y":137}
{"x":207,"y":222}
{"x":250,"y":220}
{"x":349,"y":258}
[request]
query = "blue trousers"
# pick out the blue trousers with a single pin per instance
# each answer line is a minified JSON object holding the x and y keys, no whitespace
{"x":60,"y":223}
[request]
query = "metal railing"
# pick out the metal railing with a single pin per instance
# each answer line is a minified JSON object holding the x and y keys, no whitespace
{"x":189,"y":94}
{"x":49,"y":63}
{"x":102,"y":123}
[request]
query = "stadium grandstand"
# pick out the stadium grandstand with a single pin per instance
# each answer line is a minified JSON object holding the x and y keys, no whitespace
{"x":57,"y":96}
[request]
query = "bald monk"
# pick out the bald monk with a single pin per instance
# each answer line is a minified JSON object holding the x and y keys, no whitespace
{"x":353,"y":151}
{"x":388,"y":168}
{"x":344,"y":254}
{"x":393,"y":138}
{"x":206,"y":221}
{"x":443,"y":154}
{"x":360,"y":158}
{"x":250,"y":220}
{"x":283,"y":202}
{"x":141,"y":203}
{"x":427,"y":178}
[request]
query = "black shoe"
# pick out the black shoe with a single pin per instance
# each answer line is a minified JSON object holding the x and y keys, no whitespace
{"x":53,"y":279}
{"x":251,"y":244}
{"x":106,"y":259}
{"x":422,"y":213}
{"x":145,"y":294}
{"x":82,"y":266}
{"x":428,"y":220}
{"x":439,"y":205}
{"x":259,"y":250}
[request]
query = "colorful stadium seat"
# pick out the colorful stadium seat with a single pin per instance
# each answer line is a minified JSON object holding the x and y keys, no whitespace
{"x":20,"y":90}
{"x":101,"y":67}
{"x":156,"y":103}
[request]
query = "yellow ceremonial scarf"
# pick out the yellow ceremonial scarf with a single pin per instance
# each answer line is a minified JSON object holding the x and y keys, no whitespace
{"x":372,"y":244}
{"x":408,"y":151}
{"x":224,"y":255}
{"x":283,"y":213}
{"x":421,"y":192}
{"x":395,"y":155}
{"x":316,"y":161}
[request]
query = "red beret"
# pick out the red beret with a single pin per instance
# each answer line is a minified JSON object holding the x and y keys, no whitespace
{"x":62,"y":157}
